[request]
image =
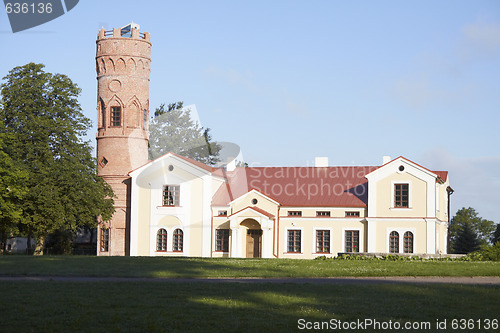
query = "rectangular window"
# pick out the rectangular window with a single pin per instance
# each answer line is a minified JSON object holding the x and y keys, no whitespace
{"x":222,"y":240}
{"x":294,"y":238}
{"x":104,"y":240}
{"x":352,"y":241}
{"x":222,"y":213}
{"x":171,"y":195}
{"x":294,"y":213}
{"x":116,"y":116}
{"x":324,"y":213}
{"x":351,"y":214}
{"x":401,"y":195}
{"x":323,"y":241}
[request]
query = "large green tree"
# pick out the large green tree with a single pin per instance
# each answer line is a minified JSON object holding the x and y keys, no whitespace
{"x":466,"y":241}
{"x":12,"y":191}
{"x":41,"y":112}
{"x":482,"y":228}
{"x":173,"y":130}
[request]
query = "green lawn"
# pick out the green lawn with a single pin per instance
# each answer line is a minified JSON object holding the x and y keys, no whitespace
{"x":225,"y":267}
{"x":51,"y":306}
{"x":212,"y":307}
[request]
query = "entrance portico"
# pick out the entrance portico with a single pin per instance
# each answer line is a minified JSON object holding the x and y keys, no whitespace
{"x":251,"y":234}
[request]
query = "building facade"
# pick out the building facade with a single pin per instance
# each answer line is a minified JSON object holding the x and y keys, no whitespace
{"x":182,"y":207}
{"x":175,"y":206}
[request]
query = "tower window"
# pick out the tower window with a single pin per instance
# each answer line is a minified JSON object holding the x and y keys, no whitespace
{"x":116,"y":116}
{"x":103,"y":162}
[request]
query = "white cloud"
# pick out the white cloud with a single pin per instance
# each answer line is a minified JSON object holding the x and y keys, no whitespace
{"x":476,"y":181}
{"x":480,"y":40}
{"x":419,"y":92}
{"x":233,"y":77}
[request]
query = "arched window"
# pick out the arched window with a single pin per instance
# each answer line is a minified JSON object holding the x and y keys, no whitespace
{"x":161,"y":240}
{"x":177,"y":244}
{"x":408,"y":240}
{"x":394,"y":242}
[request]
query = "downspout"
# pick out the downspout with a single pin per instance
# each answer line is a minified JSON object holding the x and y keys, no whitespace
{"x":450,"y":192}
{"x":211,"y":231}
{"x":278,"y":234}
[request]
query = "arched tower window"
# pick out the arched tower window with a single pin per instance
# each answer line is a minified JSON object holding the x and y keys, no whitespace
{"x":394,"y":242}
{"x":178,"y":240}
{"x":116,"y":116}
{"x":408,"y":241}
{"x":161,"y":240}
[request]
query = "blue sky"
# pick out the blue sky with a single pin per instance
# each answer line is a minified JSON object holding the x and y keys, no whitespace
{"x":291,"y":80}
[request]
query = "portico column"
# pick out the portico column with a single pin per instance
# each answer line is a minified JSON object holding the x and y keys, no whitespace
{"x":267,"y":241}
{"x":235,"y":242}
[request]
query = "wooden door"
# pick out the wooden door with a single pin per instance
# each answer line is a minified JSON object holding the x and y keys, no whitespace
{"x":254,"y":243}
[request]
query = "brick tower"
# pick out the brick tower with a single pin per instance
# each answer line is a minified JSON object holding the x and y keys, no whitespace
{"x":123,"y":65}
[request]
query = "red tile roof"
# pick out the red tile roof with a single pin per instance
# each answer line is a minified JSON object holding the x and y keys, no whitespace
{"x":302,"y":186}
{"x":299,"y":186}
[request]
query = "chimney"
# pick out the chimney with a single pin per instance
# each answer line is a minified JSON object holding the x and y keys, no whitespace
{"x":386,"y":159}
{"x":321,"y":162}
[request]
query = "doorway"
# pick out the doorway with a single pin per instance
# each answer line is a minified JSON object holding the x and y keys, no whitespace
{"x":254,"y":243}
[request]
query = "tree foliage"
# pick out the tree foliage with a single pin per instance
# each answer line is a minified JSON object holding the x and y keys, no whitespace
{"x":12,"y":191}
{"x":41,"y":113}
{"x":496,"y":235}
{"x":173,"y":130}
{"x":466,"y":241}
{"x":467,"y":222}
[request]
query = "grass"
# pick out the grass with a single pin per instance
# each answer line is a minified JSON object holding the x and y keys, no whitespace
{"x":225,"y":267}
{"x":162,"y":307}
{"x":54,"y":306}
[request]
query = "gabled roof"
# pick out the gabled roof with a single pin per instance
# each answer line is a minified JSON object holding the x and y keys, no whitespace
{"x":255,"y":209}
{"x":299,"y":186}
{"x":257,"y":192}
{"x":441,"y":175}
{"x":186,"y":159}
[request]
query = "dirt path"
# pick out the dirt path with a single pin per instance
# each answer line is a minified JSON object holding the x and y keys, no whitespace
{"x":483,"y":280}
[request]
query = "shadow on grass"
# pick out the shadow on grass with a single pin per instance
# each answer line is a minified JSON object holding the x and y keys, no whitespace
{"x":232,"y":307}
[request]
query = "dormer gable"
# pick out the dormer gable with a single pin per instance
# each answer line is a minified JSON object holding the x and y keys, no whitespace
{"x":401,"y":188}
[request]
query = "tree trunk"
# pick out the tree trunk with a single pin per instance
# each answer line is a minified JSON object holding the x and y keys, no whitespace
{"x":40,"y":243}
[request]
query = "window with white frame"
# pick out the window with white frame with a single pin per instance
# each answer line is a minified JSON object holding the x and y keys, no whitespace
{"x":394,"y":242}
{"x":161,"y":240}
{"x":322,"y":241}
{"x":171,"y":195}
{"x":401,"y":196}
{"x":177,"y":240}
{"x":408,"y":242}
{"x":352,"y":241}
{"x":222,"y":240}
{"x":294,"y":241}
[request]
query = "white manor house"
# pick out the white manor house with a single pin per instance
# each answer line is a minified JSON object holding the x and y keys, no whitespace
{"x":175,"y":206}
